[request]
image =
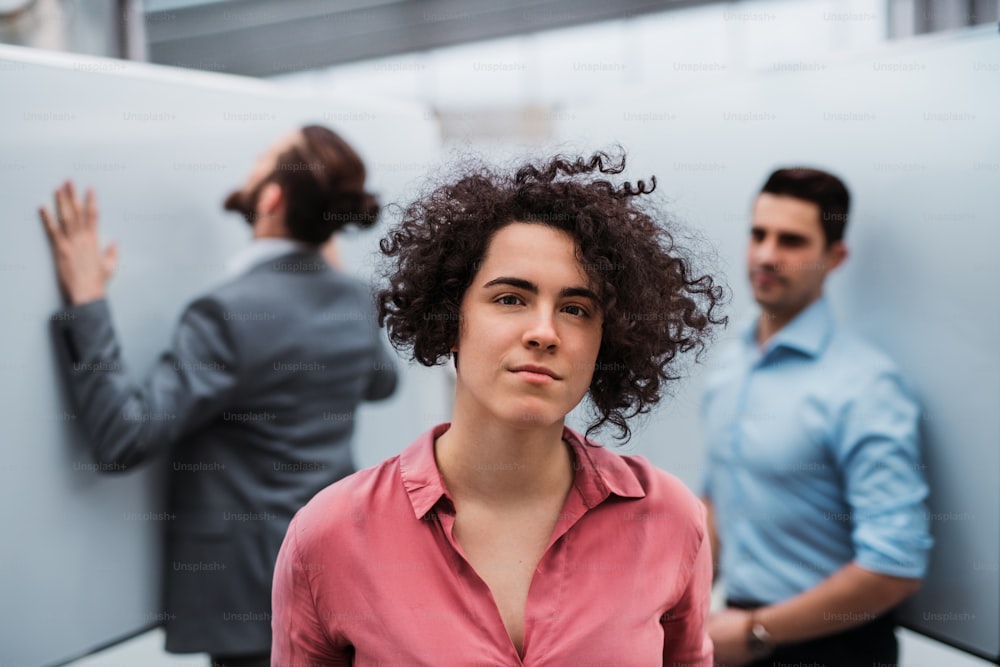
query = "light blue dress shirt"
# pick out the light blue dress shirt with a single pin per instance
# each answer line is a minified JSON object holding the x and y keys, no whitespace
{"x":813,"y":461}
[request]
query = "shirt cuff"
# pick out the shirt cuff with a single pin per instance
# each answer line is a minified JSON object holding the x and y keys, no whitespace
{"x":897,"y":558}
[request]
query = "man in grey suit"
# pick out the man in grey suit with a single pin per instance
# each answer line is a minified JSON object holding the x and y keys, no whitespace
{"x":253,"y":404}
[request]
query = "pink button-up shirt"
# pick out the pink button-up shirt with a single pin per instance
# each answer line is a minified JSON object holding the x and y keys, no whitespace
{"x":371,"y":574}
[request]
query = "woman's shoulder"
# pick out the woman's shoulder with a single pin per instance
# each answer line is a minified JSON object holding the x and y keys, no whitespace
{"x":661,"y":486}
{"x":351,"y":501}
{"x":646,"y":492}
{"x":377,"y":501}
{"x":666,"y":500}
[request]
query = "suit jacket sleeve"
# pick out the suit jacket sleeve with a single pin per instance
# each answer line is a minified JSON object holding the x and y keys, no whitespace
{"x":189,"y":385}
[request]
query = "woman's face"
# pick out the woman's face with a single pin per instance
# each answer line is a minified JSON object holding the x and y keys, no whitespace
{"x":530,"y":330}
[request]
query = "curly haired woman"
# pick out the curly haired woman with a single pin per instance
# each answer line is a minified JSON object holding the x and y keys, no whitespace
{"x":504,"y":537}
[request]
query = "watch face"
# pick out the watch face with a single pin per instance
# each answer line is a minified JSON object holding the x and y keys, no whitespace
{"x":759,"y":641}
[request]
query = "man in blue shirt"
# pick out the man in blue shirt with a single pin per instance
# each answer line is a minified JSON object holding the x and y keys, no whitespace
{"x":814,"y":481}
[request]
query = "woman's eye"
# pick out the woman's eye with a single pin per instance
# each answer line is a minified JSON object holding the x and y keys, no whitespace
{"x":509,"y":300}
{"x":578,"y":311}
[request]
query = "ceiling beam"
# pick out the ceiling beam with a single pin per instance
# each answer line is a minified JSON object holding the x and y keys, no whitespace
{"x":264,"y":37}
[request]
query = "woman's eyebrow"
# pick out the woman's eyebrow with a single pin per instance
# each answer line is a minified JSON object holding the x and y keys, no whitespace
{"x":585,"y":292}
{"x":519,"y":283}
{"x":529,"y":286}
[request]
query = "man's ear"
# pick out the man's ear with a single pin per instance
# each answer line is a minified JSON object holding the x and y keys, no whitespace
{"x":835,"y":255}
{"x":272,"y":197}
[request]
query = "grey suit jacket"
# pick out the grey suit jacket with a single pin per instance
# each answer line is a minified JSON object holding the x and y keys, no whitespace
{"x":253,"y":408}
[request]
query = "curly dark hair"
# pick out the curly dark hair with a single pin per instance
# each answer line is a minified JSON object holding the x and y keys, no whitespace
{"x":654,"y":305}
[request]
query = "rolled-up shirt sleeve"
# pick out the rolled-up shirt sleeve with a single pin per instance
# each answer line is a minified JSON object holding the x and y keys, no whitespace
{"x":884,"y":479}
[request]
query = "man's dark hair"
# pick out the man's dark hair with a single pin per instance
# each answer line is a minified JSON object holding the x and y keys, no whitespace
{"x":655,"y":305}
{"x":820,"y":187}
{"x":324,"y":184}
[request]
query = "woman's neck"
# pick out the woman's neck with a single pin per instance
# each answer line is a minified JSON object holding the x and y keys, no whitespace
{"x":502,"y":465}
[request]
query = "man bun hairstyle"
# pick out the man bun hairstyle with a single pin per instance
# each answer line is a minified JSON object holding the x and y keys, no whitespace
{"x":323,"y":179}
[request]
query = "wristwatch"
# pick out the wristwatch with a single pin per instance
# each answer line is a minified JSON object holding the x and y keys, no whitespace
{"x":759,"y":641}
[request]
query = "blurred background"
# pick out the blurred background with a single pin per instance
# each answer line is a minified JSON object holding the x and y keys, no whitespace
{"x":416,"y":82}
{"x":490,"y":71}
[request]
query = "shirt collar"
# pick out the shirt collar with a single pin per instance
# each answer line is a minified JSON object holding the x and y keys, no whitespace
{"x":260,"y":251}
{"x":598,"y":473}
{"x":808,"y":333}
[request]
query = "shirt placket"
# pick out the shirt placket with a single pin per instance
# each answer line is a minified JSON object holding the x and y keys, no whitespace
{"x":446,"y":523}
{"x":547,"y":582}
{"x":753,"y":361}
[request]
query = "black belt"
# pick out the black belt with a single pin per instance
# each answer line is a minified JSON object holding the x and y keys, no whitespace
{"x":873,"y":641}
